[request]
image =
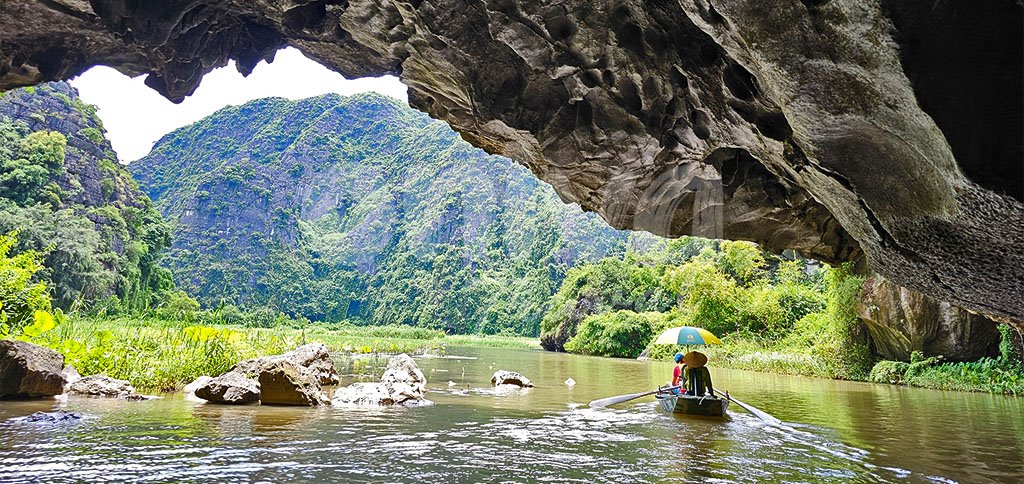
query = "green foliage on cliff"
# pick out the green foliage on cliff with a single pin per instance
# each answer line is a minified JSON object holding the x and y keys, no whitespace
{"x":98,"y":236}
{"x":360,"y":209}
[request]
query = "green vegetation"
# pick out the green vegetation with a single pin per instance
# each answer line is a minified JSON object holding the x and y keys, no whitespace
{"x":20,"y":297}
{"x":620,"y":333}
{"x":774,"y":314}
{"x":160,"y":354}
{"x":360,"y":224}
{"x":361,"y":210}
{"x":98,"y":236}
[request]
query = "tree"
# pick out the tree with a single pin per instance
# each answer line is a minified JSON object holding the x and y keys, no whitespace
{"x":25,"y":171}
{"x":20,"y":296}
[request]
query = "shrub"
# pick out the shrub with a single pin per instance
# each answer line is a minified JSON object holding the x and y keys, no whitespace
{"x":622,"y":334}
{"x":20,"y":297}
{"x":887,"y":371}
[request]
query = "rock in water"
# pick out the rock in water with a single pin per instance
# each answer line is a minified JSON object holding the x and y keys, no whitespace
{"x":231,"y":388}
{"x":402,"y":384}
{"x":51,"y":417}
{"x":103,"y":386}
{"x":284,"y":383}
{"x":30,"y":371}
{"x":313,"y":359}
{"x":190,"y":389}
{"x":504,"y":377}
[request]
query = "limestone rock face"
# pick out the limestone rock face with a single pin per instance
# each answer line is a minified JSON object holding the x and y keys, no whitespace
{"x":901,"y":320}
{"x":885,"y":132}
{"x":30,"y":371}
{"x":103,"y":386}
{"x":505,"y":377}
{"x":401,"y":384}
{"x":284,"y":383}
{"x":313,"y":359}
{"x":231,"y":388}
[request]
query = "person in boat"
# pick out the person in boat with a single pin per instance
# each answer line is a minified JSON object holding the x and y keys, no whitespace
{"x":696,"y":376}
{"x":677,"y":374}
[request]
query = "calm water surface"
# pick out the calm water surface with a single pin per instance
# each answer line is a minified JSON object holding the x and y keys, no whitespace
{"x":836,"y":431}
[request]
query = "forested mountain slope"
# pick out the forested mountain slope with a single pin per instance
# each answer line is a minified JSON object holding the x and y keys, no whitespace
{"x":361,"y":209}
{"x":65,"y":194}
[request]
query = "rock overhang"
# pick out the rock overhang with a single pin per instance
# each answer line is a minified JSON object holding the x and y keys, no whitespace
{"x":838,"y":128}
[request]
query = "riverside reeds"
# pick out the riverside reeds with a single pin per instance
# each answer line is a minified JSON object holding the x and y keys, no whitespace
{"x":156,"y":354}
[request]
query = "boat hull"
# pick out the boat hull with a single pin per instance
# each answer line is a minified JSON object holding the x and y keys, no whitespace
{"x":690,"y":405}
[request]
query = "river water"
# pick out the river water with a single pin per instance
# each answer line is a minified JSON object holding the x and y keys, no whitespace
{"x":835,"y":431}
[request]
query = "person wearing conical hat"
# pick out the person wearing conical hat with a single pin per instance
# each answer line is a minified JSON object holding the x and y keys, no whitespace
{"x":696,"y":376}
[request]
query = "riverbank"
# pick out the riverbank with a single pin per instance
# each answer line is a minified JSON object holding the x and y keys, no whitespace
{"x":158,"y":355}
{"x":989,"y":375}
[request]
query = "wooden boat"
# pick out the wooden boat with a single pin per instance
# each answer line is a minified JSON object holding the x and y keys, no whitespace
{"x":686,"y":404}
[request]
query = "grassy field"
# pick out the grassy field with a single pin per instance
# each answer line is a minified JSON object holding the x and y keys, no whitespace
{"x":160,"y":355}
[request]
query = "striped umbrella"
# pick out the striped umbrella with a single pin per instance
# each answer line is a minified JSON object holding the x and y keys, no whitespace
{"x":687,"y":335}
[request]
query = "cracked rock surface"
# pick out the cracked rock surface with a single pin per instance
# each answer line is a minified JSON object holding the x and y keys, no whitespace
{"x":884,"y":132}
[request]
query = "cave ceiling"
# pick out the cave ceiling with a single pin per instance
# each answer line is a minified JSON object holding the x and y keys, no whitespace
{"x":888,"y":133}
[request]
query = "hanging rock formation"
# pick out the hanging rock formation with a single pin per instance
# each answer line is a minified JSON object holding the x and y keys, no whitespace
{"x":879,"y":131}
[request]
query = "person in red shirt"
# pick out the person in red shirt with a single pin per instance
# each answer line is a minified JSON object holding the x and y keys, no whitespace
{"x":677,"y":373}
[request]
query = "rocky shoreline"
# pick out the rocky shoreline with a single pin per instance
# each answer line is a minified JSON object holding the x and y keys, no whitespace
{"x":305,"y":376}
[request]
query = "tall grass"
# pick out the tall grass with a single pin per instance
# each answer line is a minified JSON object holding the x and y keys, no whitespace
{"x":158,"y":354}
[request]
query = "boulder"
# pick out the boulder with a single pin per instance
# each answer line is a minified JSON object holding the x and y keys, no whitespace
{"x":190,"y":389}
{"x":103,"y":386}
{"x":504,"y":377}
{"x":71,"y":375}
{"x":282,"y":382}
{"x":30,"y":371}
{"x":313,"y":359}
{"x":401,"y":384}
{"x":231,"y":388}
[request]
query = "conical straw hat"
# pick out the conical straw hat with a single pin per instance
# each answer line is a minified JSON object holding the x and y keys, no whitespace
{"x":695,"y":359}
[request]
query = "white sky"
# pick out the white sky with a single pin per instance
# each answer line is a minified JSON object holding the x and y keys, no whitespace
{"x":135,"y":116}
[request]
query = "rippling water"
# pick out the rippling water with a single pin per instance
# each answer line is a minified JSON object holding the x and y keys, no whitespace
{"x":836,"y":431}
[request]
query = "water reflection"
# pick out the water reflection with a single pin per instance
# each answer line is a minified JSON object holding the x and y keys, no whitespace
{"x":837,"y":431}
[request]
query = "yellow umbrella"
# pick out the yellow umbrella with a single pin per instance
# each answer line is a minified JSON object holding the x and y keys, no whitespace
{"x":687,"y":335}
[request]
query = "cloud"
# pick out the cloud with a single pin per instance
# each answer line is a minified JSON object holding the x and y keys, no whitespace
{"x":135,"y":116}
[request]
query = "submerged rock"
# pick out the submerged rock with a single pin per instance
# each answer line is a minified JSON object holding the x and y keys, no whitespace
{"x":231,"y":388}
{"x":104,"y":386}
{"x":401,"y":384}
{"x":284,"y":383}
{"x":313,"y":359}
{"x":58,"y":416}
{"x":30,"y":371}
{"x":504,"y":377}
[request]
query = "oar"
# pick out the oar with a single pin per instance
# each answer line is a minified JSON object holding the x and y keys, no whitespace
{"x":750,"y":408}
{"x":604,"y":402}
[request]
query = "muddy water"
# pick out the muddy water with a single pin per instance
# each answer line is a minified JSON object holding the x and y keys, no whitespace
{"x":835,"y":431}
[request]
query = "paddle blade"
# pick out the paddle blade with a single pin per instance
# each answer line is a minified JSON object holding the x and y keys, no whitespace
{"x":752,"y":410}
{"x":604,"y":402}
